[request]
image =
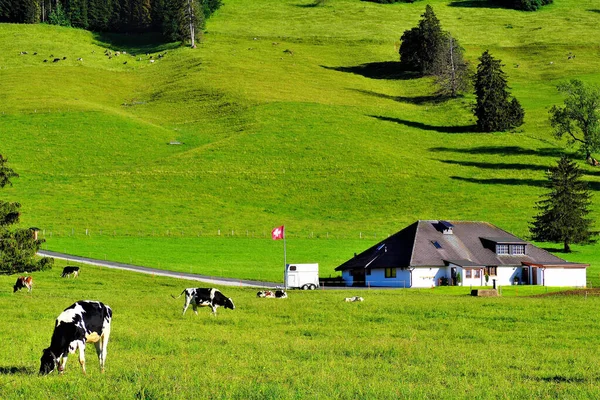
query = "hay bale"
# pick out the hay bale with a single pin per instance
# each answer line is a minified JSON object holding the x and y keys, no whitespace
{"x":484,"y":292}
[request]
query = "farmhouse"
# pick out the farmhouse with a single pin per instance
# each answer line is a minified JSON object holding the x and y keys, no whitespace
{"x":435,"y":253}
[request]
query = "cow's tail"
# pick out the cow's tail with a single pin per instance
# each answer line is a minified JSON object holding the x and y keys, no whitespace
{"x":179,"y":295}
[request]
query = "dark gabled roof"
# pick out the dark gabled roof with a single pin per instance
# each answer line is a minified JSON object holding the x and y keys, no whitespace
{"x":505,"y":240}
{"x":414,"y":246}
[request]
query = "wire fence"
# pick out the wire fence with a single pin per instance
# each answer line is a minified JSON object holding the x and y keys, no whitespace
{"x":224,"y":233}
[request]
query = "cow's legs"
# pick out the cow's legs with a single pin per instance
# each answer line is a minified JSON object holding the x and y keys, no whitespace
{"x":61,"y":364}
{"x":214,"y":309}
{"x":195,"y":307}
{"x":81,"y":346}
{"x":101,"y":347}
{"x":186,"y":304}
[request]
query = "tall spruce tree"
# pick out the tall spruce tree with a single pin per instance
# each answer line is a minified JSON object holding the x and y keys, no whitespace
{"x":494,"y":110}
{"x":579,"y":117}
{"x":421,"y":45}
{"x":18,"y":247}
{"x":563,"y":211}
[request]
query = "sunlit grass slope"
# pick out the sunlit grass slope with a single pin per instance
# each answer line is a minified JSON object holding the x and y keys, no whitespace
{"x":287,"y":114}
{"x":414,"y":344}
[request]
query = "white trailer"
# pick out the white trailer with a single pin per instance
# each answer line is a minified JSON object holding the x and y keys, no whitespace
{"x":302,"y":276}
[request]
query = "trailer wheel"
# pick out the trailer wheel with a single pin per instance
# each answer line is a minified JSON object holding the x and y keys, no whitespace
{"x":312,"y":286}
{"x":304,"y":287}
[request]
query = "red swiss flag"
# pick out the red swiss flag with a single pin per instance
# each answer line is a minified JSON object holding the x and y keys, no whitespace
{"x":277,"y":233}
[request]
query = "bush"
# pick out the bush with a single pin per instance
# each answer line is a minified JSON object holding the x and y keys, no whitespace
{"x":524,"y":5}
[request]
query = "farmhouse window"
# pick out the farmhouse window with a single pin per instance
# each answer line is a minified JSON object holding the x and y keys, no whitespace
{"x":517,"y":249}
{"x":467,"y":273}
{"x":491,"y":271}
{"x":292,"y":267}
{"x":501,"y":249}
{"x":390,"y":272}
{"x":477,"y":273}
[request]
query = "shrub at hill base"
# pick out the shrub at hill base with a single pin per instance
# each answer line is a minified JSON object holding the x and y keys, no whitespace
{"x":18,"y":247}
{"x":525,"y":5}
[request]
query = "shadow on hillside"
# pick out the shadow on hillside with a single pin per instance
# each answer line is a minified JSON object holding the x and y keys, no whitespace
{"x":595,"y":186}
{"x":503,"y":181}
{"x":559,"y":249}
{"x":17,"y":371}
{"x":505,"y":166}
{"x":309,"y":5}
{"x":417,"y":100}
{"x":595,"y":10}
{"x":475,"y":4}
{"x":134,"y":43}
{"x":502,"y":151}
{"x":379,"y":70}
{"x":426,"y":127}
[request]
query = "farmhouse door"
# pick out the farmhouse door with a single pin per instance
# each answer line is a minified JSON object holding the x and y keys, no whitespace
{"x":359,"y":277}
{"x":534,"y":275}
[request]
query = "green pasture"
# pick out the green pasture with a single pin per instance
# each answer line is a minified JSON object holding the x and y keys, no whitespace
{"x":439,"y":343}
{"x":287,"y":113}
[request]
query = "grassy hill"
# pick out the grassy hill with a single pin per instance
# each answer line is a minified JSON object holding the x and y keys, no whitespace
{"x":411,"y":344}
{"x":287,"y":114}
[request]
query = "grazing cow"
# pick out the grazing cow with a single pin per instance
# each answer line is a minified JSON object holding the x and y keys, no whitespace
{"x":212,"y":298}
{"x":353,"y":299}
{"x":83,"y":322}
{"x":280,"y":294}
{"x":70,"y":270}
{"x":266,"y":294}
{"x":23,"y":281}
{"x":56,"y":60}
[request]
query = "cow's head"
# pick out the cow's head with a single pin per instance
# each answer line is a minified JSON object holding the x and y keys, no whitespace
{"x":229,"y":303}
{"x":48,"y":362}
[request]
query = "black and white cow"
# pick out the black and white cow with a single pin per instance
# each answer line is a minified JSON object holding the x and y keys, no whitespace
{"x":68,"y":270}
{"x":280,"y":294}
{"x":200,"y":297}
{"x":83,"y":322}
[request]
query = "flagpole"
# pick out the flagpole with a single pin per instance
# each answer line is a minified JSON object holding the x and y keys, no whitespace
{"x":284,"y":262}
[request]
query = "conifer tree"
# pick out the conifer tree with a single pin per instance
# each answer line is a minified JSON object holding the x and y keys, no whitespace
{"x":421,"y":45}
{"x":494,"y":110}
{"x":564,"y":209}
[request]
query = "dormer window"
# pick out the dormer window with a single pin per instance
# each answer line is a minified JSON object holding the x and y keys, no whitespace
{"x":517,"y":249}
{"x":502,"y":249}
{"x":447,"y":227}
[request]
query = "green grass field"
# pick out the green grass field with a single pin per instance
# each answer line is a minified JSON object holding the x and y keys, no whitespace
{"x":408,"y":343}
{"x":288,"y":114}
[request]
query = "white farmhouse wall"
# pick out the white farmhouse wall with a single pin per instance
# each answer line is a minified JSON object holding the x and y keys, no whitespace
{"x":564,"y":277}
{"x":428,"y":277}
{"x":378,"y":279}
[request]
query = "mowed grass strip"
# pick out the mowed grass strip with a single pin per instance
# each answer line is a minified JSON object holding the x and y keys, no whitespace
{"x":439,"y":343}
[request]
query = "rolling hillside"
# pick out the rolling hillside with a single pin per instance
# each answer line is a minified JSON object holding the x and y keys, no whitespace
{"x":287,"y":114}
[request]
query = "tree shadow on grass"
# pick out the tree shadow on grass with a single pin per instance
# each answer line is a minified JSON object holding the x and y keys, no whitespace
{"x":21,"y":370}
{"x":134,"y":43}
{"x":420,"y":125}
{"x":595,"y":186}
{"x":502,"y":151}
{"x":497,"y":166}
{"x":416,"y":100}
{"x":475,"y":4}
{"x":595,"y":10}
{"x":392,"y":70}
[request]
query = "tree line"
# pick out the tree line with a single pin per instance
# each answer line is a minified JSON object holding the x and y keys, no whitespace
{"x":175,"y":19}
